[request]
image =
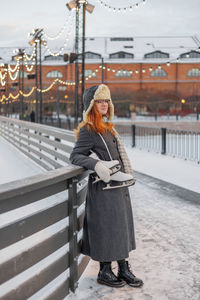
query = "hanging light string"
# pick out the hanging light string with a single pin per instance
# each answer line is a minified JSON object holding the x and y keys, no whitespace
{"x":52,"y":38}
{"x":39,"y":90}
{"x":3,"y":76}
{"x":15,"y":68}
{"x":68,"y":34}
{"x":121,"y":9}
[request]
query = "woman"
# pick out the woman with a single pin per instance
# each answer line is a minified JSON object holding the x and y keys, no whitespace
{"x":108,"y":231}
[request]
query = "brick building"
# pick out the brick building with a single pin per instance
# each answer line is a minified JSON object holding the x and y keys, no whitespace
{"x":143,"y":73}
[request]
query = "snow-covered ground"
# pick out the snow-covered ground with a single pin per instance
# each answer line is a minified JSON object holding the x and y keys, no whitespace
{"x":180,"y":172}
{"x":167,"y":256}
{"x":167,"y":229}
{"x":14,"y":164}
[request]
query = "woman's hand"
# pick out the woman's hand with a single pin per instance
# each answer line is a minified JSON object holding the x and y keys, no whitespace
{"x":102,"y":171}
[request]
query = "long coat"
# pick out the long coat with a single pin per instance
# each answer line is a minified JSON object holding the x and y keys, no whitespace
{"x":108,"y":230}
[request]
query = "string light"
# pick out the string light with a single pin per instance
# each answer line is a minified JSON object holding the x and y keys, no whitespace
{"x":68,"y":34}
{"x":48,"y":37}
{"x":121,"y":9}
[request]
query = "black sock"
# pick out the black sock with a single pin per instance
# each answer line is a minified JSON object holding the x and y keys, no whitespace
{"x":121,"y":261}
{"x":102,"y":263}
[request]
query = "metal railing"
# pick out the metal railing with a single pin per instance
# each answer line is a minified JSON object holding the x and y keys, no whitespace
{"x":47,"y":146}
{"x":177,"y":143}
{"x":41,"y":218}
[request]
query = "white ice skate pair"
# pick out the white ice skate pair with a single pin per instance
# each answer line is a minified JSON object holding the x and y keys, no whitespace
{"x":122,"y":178}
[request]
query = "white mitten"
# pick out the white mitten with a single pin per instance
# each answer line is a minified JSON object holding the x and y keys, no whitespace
{"x":102,"y":171}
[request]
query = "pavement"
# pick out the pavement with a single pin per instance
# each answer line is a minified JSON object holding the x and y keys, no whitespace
{"x":167,"y":258}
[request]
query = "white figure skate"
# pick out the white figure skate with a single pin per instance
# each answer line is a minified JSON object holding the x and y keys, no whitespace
{"x":123,"y":179}
{"x":113,"y":165}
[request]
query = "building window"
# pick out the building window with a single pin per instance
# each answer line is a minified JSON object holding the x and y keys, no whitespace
{"x":128,"y":47}
{"x":158,"y":73}
{"x":123,"y":73}
{"x":119,"y":39}
{"x":121,"y":54}
{"x":193,"y":72}
{"x":54,"y":74}
{"x":92,"y":55}
{"x":191,"y":54}
{"x":156,"y":54}
{"x":50,"y":57}
{"x":89,"y":73}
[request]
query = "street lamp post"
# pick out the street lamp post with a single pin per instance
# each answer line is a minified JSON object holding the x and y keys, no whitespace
{"x":75,"y":4}
{"x":37,"y":39}
{"x":20,"y":56}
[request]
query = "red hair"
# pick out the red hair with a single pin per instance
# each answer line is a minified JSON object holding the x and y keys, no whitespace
{"x":95,"y":120}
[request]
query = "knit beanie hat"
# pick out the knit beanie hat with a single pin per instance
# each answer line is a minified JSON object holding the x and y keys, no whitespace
{"x":96,"y":93}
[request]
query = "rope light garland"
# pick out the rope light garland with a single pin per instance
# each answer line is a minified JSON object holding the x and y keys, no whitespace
{"x":15,"y":68}
{"x":34,"y":88}
{"x":121,"y":9}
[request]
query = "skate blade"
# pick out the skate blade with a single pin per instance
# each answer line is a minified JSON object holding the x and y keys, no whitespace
{"x":123,"y":184}
{"x":114,"y":170}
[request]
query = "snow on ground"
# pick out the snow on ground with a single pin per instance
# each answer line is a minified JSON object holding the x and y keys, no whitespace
{"x":167,"y":256}
{"x":14,"y":164}
{"x":167,"y":228}
{"x":180,"y":172}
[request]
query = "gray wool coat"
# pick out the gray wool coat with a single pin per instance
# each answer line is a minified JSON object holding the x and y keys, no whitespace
{"x":108,"y":230}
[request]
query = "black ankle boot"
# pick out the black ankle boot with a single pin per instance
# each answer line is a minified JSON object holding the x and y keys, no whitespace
{"x":124,"y":273}
{"x":107,"y":277}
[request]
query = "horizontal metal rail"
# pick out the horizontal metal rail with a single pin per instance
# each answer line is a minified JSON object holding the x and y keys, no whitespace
{"x":48,"y":146}
{"x":42,"y":216}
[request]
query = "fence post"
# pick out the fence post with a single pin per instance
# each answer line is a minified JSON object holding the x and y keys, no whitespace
{"x":73,"y":241}
{"x":133,"y":135}
{"x":163,"y":133}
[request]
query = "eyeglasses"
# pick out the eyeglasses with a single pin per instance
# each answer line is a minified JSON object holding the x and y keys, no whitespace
{"x":102,"y":101}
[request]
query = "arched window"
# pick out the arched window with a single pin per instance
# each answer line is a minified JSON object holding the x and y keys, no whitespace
{"x":121,"y":54}
{"x":158,"y":73}
{"x":157,"y":54}
{"x":123,"y":73}
{"x":191,"y":54}
{"x":54,"y":74}
{"x":193,"y":72}
{"x":89,"y":73}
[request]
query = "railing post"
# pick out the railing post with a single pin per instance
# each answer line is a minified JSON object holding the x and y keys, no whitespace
{"x":133,"y":135}
{"x":73,"y":242}
{"x":163,"y":133}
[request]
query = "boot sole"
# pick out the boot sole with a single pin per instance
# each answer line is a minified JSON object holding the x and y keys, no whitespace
{"x":135,"y":286}
{"x":110,"y":284}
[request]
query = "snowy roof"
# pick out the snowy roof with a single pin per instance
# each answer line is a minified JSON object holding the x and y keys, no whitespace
{"x":137,"y":46}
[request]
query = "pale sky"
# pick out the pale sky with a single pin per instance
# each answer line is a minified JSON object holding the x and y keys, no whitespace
{"x":156,"y":17}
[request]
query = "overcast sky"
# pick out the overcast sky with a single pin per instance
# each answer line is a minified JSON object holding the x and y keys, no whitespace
{"x":156,"y":17}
